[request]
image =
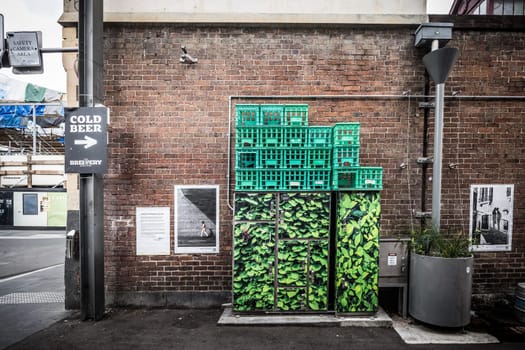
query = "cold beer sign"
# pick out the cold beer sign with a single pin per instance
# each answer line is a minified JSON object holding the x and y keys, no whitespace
{"x":86,"y":140}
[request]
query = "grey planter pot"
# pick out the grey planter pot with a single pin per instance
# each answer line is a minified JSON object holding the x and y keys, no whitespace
{"x":440,"y":290}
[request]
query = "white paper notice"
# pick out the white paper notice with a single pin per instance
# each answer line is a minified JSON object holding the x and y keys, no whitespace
{"x":392,"y":259}
{"x":153,"y":231}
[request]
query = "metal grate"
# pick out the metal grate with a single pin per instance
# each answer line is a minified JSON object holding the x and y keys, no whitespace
{"x":32,"y":298}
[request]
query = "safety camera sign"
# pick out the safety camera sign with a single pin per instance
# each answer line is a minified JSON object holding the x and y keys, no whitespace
{"x":86,"y":140}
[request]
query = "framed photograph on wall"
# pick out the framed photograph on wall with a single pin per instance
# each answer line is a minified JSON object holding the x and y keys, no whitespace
{"x":196,"y":219}
{"x":491,"y":210}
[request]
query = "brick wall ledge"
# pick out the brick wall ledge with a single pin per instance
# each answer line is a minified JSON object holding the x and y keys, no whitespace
{"x":194,"y":300}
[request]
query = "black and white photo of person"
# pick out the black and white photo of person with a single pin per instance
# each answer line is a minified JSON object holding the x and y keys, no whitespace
{"x":203,"y":230}
{"x":196,"y":218}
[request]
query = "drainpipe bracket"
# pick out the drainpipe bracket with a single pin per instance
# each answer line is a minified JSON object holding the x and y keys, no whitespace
{"x":425,"y":160}
{"x":427,"y":105}
{"x":423,"y":214}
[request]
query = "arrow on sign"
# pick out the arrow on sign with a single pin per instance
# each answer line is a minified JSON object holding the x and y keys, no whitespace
{"x":87,"y":142}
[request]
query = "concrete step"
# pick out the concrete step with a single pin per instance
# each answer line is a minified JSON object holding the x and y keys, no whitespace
{"x":379,"y":319}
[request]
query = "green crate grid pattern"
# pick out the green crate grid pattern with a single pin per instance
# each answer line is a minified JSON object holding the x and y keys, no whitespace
{"x":271,"y":115}
{"x":295,"y":136}
{"x":344,"y":178}
{"x":319,"y":158}
{"x":247,"y":180}
{"x":270,"y":136}
{"x":320,"y":136}
{"x":358,"y":178}
{"x":346,"y":134}
{"x":345,"y":157}
{"x":247,"y":158}
{"x":296,"y":115}
{"x":274,"y":153}
{"x":270,"y":180}
{"x":253,"y":180}
{"x":370,"y":178}
{"x":319,"y":179}
{"x":246,"y":137}
{"x":271,"y":158}
{"x":295,"y":158}
{"x":247,"y":115}
{"x":283,"y":158}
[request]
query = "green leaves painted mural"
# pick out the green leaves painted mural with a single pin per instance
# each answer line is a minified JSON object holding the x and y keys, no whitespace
{"x":253,"y":269}
{"x":255,"y":207}
{"x":318,"y":276}
{"x":304,"y":215}
{"x":297,"y":240}
{"x":357,"y":252}
{"x":301,"y":254}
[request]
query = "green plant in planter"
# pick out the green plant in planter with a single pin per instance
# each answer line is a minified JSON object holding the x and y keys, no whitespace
{"x":440,"y":288}
{"x":431,"y":242}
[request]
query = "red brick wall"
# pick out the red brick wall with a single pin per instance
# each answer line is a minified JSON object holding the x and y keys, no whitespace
{"x":169,"y":125}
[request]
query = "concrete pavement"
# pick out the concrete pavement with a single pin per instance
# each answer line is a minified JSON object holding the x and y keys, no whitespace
{"x":198,"y":329}
{"x":32,"y":316}
{"x":31,"y":282}
{"x":30,"y":302}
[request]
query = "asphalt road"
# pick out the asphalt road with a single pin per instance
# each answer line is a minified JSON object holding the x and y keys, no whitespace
{"x":24,"y":251}
{"x":31,"y":282}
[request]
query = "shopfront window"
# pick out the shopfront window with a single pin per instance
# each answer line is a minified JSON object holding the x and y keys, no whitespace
{"x":30,"y":204}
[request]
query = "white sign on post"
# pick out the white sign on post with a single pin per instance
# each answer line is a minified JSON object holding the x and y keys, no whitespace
{"x":23,"y":49}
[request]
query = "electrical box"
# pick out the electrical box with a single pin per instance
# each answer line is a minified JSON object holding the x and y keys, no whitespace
{"x":393,"y":258}
{"x":393,"y":268}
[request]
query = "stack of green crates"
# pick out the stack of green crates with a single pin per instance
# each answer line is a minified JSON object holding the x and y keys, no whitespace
{"x":276,"y":150}
{"x":347,"y":174}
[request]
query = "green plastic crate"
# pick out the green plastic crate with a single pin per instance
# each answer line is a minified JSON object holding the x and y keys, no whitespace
{"x":370,"y":178}
{"x":246,"y":137}
{"x":246,"y":115}
{"x":345,"y":157}
{"x":358,"y":178}
{"x":271,"y":115}
{"x":270,"y":136}
{"x":295,"y":136}
{"x":247,"y":159}
{"x":296,"y":115}
{"x":270,"y":180}
{"x":293,"y":180}
{"x":271,"y":158}
{"x":247,"y":180}
{"x":320,"y":136}
{"x":319,"y":179}
{"x":295,"y":158}
{"x":345,"y":179}
{"x":346,"y":134}
{"x":319,"y":158}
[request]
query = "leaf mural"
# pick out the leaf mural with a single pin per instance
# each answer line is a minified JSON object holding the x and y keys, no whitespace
{"x":292,"y":268}
{"x":302,"y":252}
{"x":318,"y":276}
{"x":357,"y":261}
{"x":255,"y":207}
{"x":253,"y":268}
{"x":304,"y":215}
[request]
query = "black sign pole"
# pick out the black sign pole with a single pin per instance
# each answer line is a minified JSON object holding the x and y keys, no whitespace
{"x":90,"y":27}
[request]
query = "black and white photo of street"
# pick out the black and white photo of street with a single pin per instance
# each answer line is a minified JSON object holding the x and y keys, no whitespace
{"x":491,"y":217}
